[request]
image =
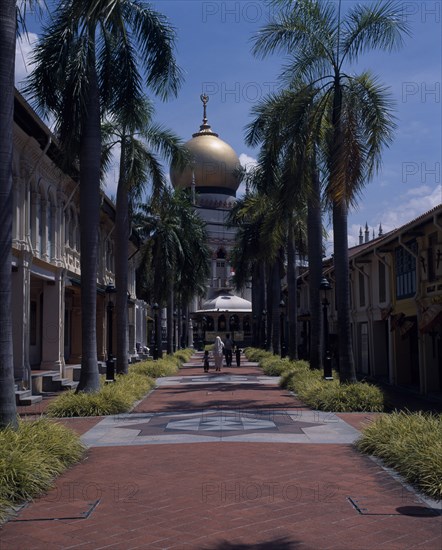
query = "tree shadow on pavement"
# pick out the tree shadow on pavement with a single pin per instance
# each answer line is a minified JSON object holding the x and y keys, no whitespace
{"x":276,"y":544}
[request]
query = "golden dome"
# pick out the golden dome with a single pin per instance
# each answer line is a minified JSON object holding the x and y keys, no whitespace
{"x":215,"y":165}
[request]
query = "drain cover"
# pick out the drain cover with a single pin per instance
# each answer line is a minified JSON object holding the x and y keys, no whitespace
{"x":367,"y":506}
{"x":77,"y":509}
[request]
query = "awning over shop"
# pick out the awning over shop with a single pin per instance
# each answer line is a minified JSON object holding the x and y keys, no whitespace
{"x":431,"y":316}
{"x":42,"y":273}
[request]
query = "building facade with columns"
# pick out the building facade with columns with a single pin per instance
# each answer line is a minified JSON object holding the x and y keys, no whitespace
{"x":46,"y":276}
{"x":396,"y":304}
{"x":213,"y":179}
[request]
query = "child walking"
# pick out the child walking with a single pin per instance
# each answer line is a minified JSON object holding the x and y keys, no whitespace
{"x":238,"y":356}
{"x":206,"y":361}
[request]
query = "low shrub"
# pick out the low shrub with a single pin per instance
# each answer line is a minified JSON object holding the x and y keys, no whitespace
{"x":30,"y":459}
{"x":333,"y":396}
{"x":330,"y":395}
{"x":294,"y":368}
{"x":166,"y":366}
{"x":256,"y":354}
{"x":183,"y":355}
{"x":114,"y":398}
{"x":274,"y":365}
{"x":411,"y":443}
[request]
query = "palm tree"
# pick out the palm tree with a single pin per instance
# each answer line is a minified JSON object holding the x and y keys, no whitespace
{"x":175,"y":254}
{"x":9,"y":15}
{"x":141,"y":141}
{"x":86,"y":66}
{"x":248,"y":259}
{"x":8,"y":24}
{"x":353,"y":112}
{"x":283,"y":127}
{"x":260,"y":240}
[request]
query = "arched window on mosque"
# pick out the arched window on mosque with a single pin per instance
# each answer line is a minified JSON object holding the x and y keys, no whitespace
{"x":209,"y":323}
{"x":221,"y":265}
{"x":221,"y":323}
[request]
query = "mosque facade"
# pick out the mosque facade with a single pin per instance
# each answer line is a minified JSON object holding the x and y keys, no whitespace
{"x":213,"y":178}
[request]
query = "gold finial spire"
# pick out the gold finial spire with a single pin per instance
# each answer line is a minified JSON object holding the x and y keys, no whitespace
{"x":205,"y":99}
{"x":205,"y":128}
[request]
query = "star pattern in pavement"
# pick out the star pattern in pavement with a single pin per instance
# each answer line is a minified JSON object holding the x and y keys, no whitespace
{"x":219,"y":423}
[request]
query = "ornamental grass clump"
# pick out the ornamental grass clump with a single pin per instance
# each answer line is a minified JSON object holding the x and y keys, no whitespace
{"x":411,"y":443}
{"x":329,"y":395}
{"x":274,"y":365}
{"x":31,"y":457}
{"x":167,"y":366}
{"x":114,"y":398}
{"x":294,"y":368}
{"x":183,"y":355}
{"x":256,"y":354}
{"x":357,"y":397}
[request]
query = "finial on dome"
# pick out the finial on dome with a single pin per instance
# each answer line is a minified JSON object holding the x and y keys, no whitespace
{"x":205,"y":99}
{"x":205,"y":128}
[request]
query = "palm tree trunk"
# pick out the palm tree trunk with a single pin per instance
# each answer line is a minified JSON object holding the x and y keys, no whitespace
{"x":159,"y":332}
{"x":314,"y":231}
{"x":346,"y":363}
{"x":122,"y":229}
{"x":340,"y":241}
{"x":258,"y":302}
{"x":269,"y":307}
{"x":292,"y":289}
{"x":90,"y":154}
{"x":276,"y":298}
{"x":170,"y":306}
{"x":8,"y":412}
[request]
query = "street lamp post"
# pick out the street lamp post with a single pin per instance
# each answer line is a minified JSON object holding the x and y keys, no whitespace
{"x":282,"y":324}
{"x":183,"y":332}
{"x":174,"y":342}
{"x":155,"y":331}
{"x":255,"y":331}
{"x":232,"y":326}
{"x":110,"y":363}
{"x":264,"y":328}
{"x":325,"y":286}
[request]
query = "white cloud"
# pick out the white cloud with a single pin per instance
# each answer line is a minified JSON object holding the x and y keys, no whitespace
{"x":111,"y":176}
{"x":421,"y":191}
{"x":247,"y":162}
{"x":411,"y":205}
{"x":23,"y":52}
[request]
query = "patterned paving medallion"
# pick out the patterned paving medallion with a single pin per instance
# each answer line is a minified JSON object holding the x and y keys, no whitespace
{"x":271,"y":425}
{"x":221,"y":423}
{"x":215,"y":378}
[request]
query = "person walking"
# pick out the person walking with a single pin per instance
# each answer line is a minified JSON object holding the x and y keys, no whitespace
{"x":238,"y":356}
{"x":218,"y":353}
{"x":228,"y":349}
{"x":206,"y":361}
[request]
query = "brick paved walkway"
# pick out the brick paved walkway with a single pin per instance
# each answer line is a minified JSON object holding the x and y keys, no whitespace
{"x":195,"y":467}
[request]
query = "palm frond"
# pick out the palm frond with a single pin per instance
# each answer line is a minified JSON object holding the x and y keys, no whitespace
{"x":369,"y":27}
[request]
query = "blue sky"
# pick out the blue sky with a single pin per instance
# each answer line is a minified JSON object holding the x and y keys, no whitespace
{"x":214,"y":41}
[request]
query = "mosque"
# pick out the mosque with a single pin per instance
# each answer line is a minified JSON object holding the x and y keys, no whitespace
{"x":213,"y":178}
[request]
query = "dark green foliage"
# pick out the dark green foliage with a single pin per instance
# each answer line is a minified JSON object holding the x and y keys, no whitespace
{"x":411,"y":443}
